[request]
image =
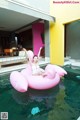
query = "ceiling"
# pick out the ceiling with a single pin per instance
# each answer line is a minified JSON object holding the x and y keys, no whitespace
{"x":11,"y":20}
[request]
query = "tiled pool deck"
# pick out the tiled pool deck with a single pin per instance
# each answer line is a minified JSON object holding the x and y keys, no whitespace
{"x":73,"y":62}
{"x":20,"y":66}
{"x":68,"y":61}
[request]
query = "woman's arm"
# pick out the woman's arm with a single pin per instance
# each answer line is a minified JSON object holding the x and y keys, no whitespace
{"x":39,"y":52}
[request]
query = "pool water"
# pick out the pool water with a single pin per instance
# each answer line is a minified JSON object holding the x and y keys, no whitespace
{"x":59,"y":103}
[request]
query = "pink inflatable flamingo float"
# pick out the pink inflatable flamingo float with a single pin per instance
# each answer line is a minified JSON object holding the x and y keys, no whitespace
{"x":24,"y":79}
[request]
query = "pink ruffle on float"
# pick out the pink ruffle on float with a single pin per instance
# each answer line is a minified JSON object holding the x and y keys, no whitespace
{"x":24,"y":79}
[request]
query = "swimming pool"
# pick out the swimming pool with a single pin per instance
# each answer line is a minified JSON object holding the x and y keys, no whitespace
{"x":59,"y":103}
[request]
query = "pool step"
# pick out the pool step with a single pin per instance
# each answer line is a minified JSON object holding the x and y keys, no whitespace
{"x":78,"y":118}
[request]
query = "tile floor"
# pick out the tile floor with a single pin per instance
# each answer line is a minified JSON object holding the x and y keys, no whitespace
{"x":21,"y":66}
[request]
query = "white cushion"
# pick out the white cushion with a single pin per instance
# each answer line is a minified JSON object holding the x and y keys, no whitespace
{"x":22,"y":53}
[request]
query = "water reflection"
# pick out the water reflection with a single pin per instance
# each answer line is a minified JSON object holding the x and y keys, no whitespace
{"x":36,"y":104}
